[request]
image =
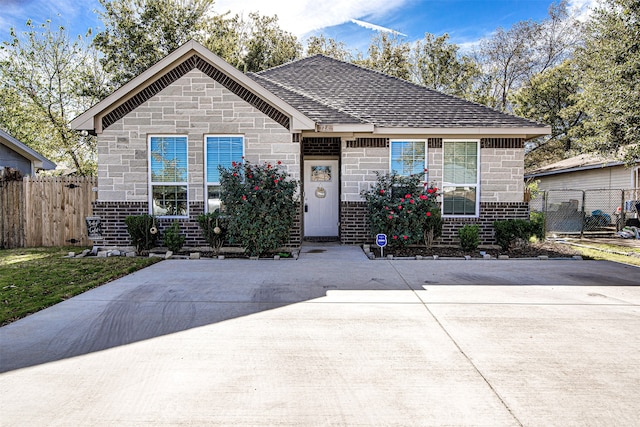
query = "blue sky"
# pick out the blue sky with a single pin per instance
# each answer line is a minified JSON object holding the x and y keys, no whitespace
{"x":350,"y":21}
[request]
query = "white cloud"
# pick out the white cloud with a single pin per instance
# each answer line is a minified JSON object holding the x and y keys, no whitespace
{"x":375,"y":27}
{"x":469,"y":47}
{"x":581,"y":8}
{"x":304,"y":16}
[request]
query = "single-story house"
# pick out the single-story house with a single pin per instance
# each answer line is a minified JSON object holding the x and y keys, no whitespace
{"x":332,"y":124}
{"x":16,"y":155}
{"x":589,"y":185}
{"x":586,"y":172}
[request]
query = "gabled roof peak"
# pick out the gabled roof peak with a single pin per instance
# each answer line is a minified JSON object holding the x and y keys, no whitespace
{"x":164,"y":72}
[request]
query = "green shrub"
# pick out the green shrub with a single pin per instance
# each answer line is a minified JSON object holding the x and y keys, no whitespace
{"x":508,"y":231}
{"x":537,"y":224}
{"x":403,"y":208}
{"x":173,"y":240}
{"x":214,"y":229}
{"x":469,"y":237}
{"x":142,"y":231}
{"x":261,"y":204}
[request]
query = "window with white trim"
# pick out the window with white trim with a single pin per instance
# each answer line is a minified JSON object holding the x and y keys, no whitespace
{"x":460,"y":180}
{"x":220,"y":150}
{"x":168,"y":175}
{"x":408,"y":157}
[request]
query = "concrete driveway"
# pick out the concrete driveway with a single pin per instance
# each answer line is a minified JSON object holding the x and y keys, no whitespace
{"x":334,"y":339}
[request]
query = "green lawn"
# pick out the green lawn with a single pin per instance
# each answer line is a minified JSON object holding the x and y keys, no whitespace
{"x":36,"y":278}
{"x":609,"y":252}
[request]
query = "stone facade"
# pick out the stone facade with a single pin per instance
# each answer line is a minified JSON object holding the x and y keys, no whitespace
{"x":194,"y":105}
{"x":498,"y":167}
{"x":359,"y":166}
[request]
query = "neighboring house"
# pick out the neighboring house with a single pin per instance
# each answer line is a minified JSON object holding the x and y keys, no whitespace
{"x":604,"y":191}
{"x":14,"y":154}
{"x":332,"y":124}
{"x":586,"y":172}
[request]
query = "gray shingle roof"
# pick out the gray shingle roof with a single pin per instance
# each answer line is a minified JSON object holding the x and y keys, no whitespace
{"x":332,"y":91}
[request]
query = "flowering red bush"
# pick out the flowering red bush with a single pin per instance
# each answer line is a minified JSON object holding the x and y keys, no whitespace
{"x":260,"y":205}
{"x":404,"y":208}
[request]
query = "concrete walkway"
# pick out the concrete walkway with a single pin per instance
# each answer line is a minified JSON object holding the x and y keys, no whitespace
{"x":334,"y":339}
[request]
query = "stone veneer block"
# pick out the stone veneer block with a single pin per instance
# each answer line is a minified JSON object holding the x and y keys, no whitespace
{"x":195,"y":109}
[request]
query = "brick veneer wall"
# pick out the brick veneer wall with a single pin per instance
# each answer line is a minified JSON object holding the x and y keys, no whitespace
{"x":489,"y":212}
{"x":114,"y":230}
{"x":321,"y":146}
{"x":354,"y":225}
{"x":354,"y":222}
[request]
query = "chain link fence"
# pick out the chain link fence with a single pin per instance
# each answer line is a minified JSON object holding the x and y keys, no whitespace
{"x":593,"y":212}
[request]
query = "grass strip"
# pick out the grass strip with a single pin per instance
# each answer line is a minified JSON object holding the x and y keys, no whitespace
{"x":32,"y":279}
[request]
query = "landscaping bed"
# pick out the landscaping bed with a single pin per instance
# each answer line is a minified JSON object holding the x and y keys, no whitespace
{"x":547,"y":248}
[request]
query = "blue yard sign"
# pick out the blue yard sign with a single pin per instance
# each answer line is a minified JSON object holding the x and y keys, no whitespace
{"x":381,"y":241}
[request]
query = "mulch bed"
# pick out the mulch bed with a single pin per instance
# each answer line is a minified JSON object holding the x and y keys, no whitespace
{"x":530,"y":250}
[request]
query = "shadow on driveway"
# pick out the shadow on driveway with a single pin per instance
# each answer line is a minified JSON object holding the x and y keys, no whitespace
{"x":177,"y":295}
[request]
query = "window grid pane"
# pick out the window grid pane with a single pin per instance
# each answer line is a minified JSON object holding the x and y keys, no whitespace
{"x":461,"y":163}
{"x":213,"y":197}
{"x":222,"y":151}
{"x":460,"y":176}
{"x":408,"y":157}
{"x":168,"y":159}
{"x":169,"y":200}
{"x":459,"y":201}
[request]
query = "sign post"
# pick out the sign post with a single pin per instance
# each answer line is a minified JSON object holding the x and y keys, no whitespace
{"x":381,"y":241}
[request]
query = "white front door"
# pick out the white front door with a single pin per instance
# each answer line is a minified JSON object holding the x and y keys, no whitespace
{"x":321,"y":198}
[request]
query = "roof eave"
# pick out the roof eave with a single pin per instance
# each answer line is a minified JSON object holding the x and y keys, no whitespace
{"x":524,"y":132}
{"x":535,"y":174}
{"x":37,"y":159}
{"x":89,"y":120}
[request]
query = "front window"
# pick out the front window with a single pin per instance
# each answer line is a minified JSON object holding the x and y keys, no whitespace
{"x":408,"y":157}
{"x":168,"y":180}
{"x":460,"y":178}
{"x":220,"y":150}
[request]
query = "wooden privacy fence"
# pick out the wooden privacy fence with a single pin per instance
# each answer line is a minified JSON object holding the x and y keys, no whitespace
{"x":47,"y":211}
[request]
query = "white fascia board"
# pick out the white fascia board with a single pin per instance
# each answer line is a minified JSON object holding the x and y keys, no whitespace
{"x":87,"y":120}
{"x":83,"y":122}
{"x":526,"y":133}
{"x":344,"y":128}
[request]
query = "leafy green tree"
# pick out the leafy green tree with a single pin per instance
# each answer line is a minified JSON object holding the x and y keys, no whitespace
{"x":223,"y":35}
{"x":138,"y":33}
{"x":268,"y":45}
{"x":389,"y":54}
{"x":437,"y":64}
{"x":328,"y":47}
{"x":550,"y":97}
{"x":43,"y":73}
{"x":610,"y":73}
